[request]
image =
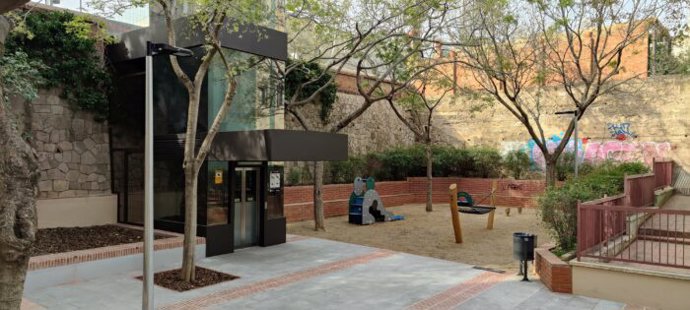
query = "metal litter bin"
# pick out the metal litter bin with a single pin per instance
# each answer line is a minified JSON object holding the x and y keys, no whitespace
{"x":523,"y":250}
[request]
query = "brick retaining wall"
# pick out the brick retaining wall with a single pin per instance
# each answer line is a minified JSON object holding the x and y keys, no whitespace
{"x":514,"y":193}
{"x":556,"y":274}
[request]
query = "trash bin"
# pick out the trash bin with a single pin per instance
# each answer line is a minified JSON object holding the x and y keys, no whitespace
{"x":523,"y":250}
{"x":523,"y":246}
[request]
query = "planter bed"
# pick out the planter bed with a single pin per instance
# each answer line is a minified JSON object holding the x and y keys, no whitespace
{"x":69,"y":239}
{"x":59,"y":268}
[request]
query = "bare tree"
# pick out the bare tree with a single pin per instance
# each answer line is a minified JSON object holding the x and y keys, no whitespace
{"x":213,"y":19}
{"x":18,"y":181}
{"x":371,"y":40}
{"x":581,"y":47}
{"x":420,"y":103}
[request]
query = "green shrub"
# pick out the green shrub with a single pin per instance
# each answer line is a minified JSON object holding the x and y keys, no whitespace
{"x":294,"y":176}
{"x":558,"y":210}
{"x":558,"y":205}
{"x":401,"y":163}
{"x":66,"y":44}
{"x":340,"y":172}
{"x":450,"y":161}
{"x":517,"y":162}
{"x":486,"y":163}
{"x":565,"y":166}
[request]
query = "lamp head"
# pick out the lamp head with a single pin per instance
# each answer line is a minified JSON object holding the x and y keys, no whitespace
{"x":566,"y":112}
{"x":153,"y":49}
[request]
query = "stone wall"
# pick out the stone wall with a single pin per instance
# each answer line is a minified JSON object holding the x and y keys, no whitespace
{"x":646,"y":119}
{"x":73,"y":148}
{"x":378,"y":129}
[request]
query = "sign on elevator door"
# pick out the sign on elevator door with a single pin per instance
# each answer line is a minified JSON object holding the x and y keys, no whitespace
{"x":218,"y":179}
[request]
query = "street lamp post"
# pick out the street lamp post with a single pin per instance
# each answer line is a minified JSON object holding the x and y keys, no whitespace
{"x":575,"y":114}
{"x":152,"y":49}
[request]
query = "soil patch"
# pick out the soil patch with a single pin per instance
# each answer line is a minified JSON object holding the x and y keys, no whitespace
{"x":204,"y":277}
{"x":431,"y":234}
{"x":68,"y":239}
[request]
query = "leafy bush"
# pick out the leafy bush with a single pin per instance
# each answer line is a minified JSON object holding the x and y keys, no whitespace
{"x":607,"y":178}
{"x":294,"y":176}
{"x":21,"y":75}
{"x":66,"y":44}
{"x":565,"y":166}
{"x":340,"y":172}
{"x":517,"y":162}
{"x":486,"y":163}
{"x":308,"y":78}
{"x":558,"y":205}
{"x":558,"y":210}
{"x":401,"y":163}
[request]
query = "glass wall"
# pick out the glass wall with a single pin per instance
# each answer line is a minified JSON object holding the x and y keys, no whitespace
{"x":168,"y":188}
{"x":218,"y":200}
{"x":170,"y":99}
{"x":257,"y":100}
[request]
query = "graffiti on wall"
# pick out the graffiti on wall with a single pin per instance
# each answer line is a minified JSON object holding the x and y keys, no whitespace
{"x":595,"y":151}
{"x":620,"y":131}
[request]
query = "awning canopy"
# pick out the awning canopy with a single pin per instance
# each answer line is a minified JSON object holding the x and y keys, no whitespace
{"x":279,"y":145}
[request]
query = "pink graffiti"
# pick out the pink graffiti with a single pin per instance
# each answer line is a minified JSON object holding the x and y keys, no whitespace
{"x":597,"y":151}
{"x":627,"y":151}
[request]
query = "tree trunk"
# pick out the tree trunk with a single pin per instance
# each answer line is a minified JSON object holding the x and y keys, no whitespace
{"x":319,"y":217}
{"x":429,"y":178}
{"x":550,"y":173}
{"x":18,"y":180}
{"x":191,"y":174}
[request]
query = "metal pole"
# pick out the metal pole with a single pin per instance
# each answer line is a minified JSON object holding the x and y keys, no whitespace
{"x":147,"y":297}
{"x":576,"y":141}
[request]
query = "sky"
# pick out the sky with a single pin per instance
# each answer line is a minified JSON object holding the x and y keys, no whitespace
{"x":136,"y":16}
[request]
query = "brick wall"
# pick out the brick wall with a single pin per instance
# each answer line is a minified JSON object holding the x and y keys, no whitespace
{"x":299,"y":199}
{"x":521,"y":193}
{"x":554,"y":273}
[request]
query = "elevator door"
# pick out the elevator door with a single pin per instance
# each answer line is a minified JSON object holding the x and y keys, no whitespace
{"x":246,"y":204}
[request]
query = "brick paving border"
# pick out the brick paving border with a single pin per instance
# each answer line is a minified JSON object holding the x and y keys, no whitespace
{"x":460,"y":293}
{"x":81,"y":256}
{"x":261,"y":286}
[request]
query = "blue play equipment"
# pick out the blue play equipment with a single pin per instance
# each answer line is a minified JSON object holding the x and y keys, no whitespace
{"x":366,"y":206}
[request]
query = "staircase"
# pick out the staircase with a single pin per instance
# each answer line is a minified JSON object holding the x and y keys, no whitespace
{"x":681,"y":180}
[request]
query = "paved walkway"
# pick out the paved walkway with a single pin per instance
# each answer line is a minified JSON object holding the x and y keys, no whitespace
{"x":310,"y":273}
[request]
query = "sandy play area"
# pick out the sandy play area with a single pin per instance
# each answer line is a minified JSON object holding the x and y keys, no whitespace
{"x":431,"y":234}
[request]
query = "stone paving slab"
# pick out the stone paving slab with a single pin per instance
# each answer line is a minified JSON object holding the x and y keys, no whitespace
{"x":310,"y":273}
{"x":515,"y":294}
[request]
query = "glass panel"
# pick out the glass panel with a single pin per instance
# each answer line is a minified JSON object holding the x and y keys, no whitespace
{"x":252,"y":181}
{"x":246,"y":214}
{"x":170,"y":100}
{"x":217,"y":200}
{"x":135,"y":188}
{"x":257,"y":103}
{"x":168,"y":189}
{"x":243,"y":109}
{"x":237,"y":187}
{"x":238,"y":207}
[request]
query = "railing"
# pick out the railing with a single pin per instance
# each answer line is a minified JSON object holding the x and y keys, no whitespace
{"x":633,"y":234}
{"x":663,"y":173}
{"x":639,"y":189}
